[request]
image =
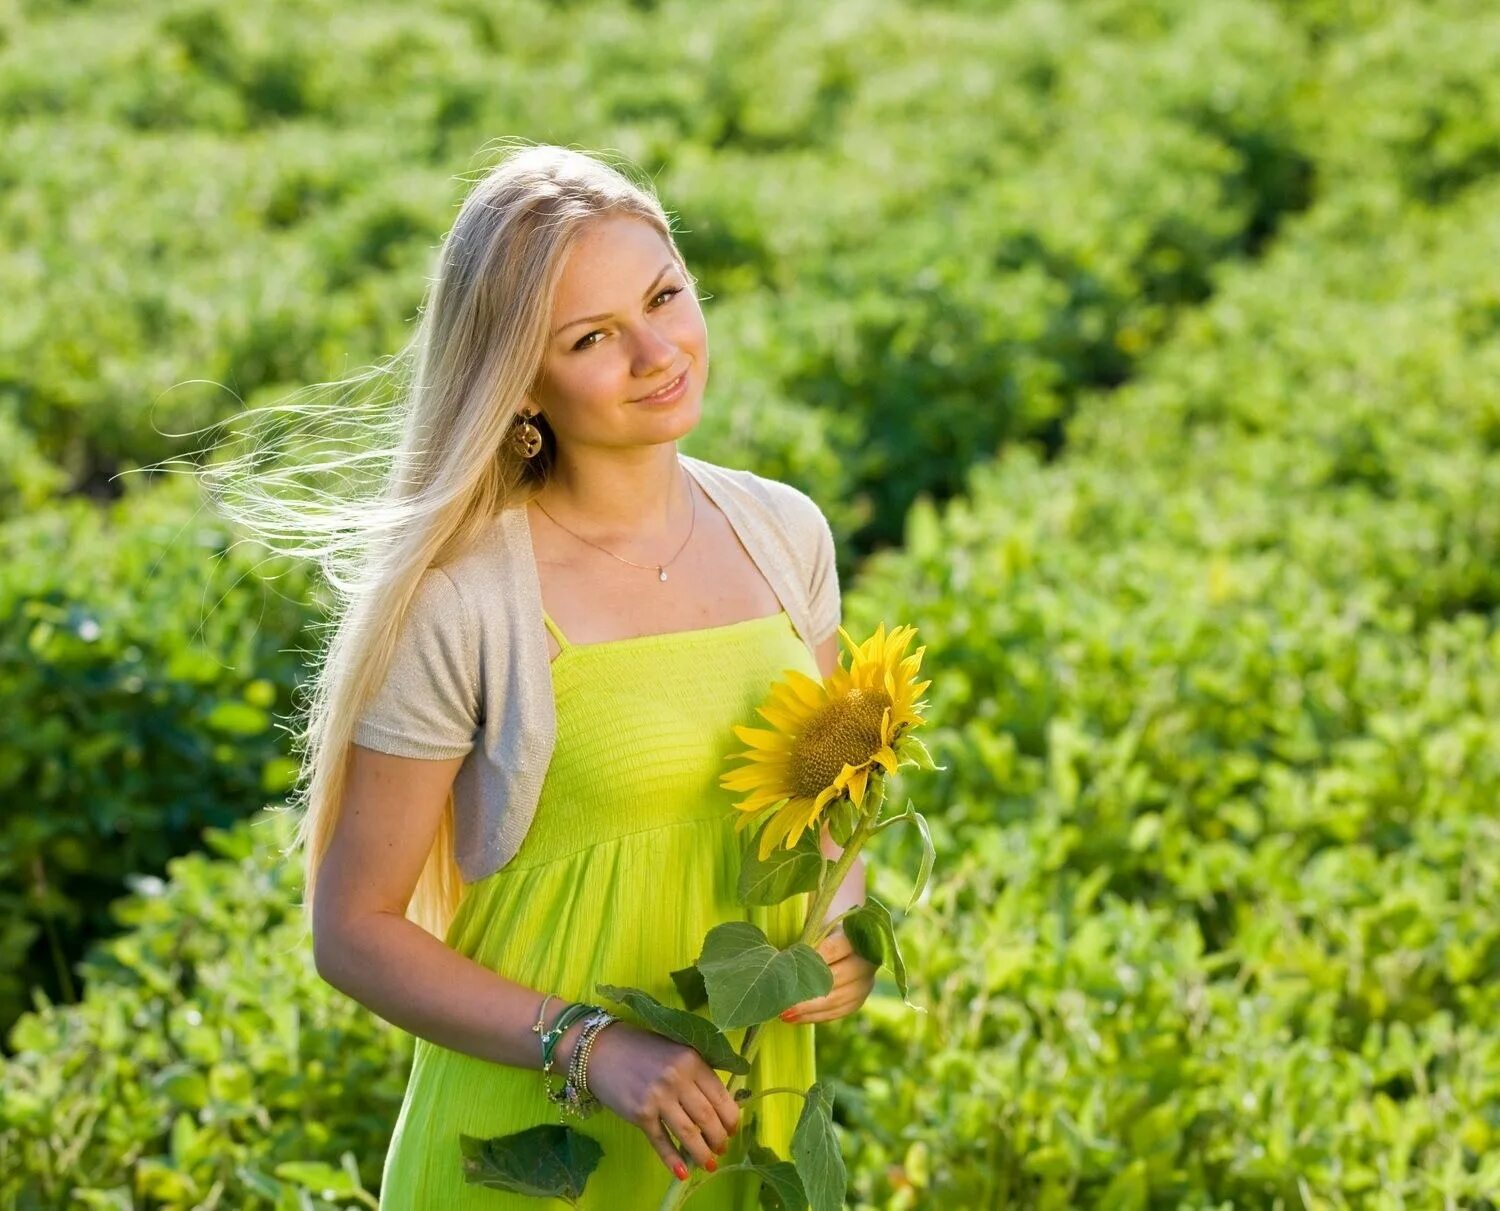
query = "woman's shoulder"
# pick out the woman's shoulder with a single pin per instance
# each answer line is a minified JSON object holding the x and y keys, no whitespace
{"x":491,"y":568}
{"x":777,"y":501}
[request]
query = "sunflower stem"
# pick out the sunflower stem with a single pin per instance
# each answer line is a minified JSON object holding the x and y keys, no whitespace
{"x":813,"y":927}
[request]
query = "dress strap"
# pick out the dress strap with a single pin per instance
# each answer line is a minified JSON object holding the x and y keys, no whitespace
{"x":562,"y":640}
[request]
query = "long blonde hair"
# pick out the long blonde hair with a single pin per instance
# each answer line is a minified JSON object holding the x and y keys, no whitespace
{"x":444,"y":463}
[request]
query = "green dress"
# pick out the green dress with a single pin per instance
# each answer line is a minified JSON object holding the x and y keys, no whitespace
{"x":631,"y":858}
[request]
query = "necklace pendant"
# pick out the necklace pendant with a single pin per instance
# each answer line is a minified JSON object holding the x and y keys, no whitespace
{"x":661,"y":573}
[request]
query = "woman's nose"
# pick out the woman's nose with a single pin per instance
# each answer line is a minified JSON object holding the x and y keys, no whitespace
{"x":654,"y":354}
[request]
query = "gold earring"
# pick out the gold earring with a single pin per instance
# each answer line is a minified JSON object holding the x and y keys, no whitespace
{"x":526,"y":440}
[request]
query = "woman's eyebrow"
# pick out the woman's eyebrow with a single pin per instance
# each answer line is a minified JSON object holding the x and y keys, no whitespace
{"x":589,"y":319}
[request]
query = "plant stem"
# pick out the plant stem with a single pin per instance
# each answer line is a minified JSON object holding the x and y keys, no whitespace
{"x":812,"y":927}
{"x":680,"y":1192}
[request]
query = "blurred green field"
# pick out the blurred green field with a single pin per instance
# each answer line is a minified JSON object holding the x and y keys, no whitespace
{"x":1144,"y":355}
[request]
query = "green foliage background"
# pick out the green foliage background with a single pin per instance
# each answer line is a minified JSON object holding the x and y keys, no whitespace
{"x":1145,"y":355}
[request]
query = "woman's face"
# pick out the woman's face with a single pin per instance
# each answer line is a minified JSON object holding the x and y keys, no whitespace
{"x":625,"y":322}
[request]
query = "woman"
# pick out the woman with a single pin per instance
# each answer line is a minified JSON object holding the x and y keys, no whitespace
{"x":517,"y":737}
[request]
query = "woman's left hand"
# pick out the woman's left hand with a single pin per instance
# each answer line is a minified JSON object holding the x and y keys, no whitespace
{"x":853,"y":979}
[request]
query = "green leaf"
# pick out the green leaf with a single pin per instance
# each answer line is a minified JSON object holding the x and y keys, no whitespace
{"x":691,"y":1028}
{"x":184,"y":1139}
{"x":546,"y":1161}
{"x":689,"y":981}
{"x":104,"y":1200}
{"x":929,"y":853}
{"x":1129,"y":1189}
{"x":782,"y":875}
{"x":238,"y":719}
{"x":815,"y":1152}
{"x":914,"y":752}
{"x":872,"y":933}
{"x":316,"y":1176}
{"x":183,"y":1084}
{"x":842,"y":818}
{"x":750,"y":981}
{"x":780,"y":1187}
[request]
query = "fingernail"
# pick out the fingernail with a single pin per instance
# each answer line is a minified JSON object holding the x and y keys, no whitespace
{"x":681,"y":1170}
{"x":724,"y":1147}
{"x":710,"y":1164}
{"x":788,"y":1016}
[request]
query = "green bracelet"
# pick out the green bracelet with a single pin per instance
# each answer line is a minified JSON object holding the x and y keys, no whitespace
{"x":570,"y":1014}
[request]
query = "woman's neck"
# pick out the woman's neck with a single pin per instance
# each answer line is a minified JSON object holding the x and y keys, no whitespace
{"x":619,"y":495}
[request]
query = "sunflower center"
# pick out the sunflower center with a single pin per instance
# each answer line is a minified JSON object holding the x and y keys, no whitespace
{"x":846,"y":732}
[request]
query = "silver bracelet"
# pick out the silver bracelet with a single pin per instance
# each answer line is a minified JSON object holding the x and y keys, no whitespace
{"x":576,"y":1099}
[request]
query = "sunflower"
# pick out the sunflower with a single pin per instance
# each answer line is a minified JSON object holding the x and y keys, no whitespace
{"x":829,"y":737}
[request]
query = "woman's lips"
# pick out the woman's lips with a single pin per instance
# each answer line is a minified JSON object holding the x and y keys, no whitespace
{"x":666,"y":393}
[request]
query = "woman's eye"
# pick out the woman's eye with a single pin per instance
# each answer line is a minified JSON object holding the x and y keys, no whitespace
{"x":580,"y":344}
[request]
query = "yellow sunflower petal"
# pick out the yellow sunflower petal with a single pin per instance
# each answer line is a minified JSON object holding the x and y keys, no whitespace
{"x":761,"y":799}
{"x":786,"y":720}
{"x":760,"y":737}
{"x":827,"y":793}
{"x":775,"y":831}
{"x":765,"y":757}
{"x":811,"y":693}
{"x":743,"y":778}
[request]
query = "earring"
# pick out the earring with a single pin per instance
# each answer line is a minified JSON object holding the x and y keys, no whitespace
{"x":526,"y":439}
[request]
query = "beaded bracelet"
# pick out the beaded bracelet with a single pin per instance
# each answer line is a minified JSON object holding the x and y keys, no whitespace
{"x":570,"y":1014}
{"x":583,"y":1061}
{"x":577,"y":1100}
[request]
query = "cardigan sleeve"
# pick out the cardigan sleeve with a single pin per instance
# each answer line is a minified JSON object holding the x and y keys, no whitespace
{"x":428,"y":703}
{"x":824,"y":601}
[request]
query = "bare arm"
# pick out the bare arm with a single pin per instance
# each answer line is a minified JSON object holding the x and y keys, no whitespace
{"x":365,"y":947}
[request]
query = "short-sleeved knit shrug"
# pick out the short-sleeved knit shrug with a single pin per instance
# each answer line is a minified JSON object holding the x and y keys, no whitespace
{"x":470,"y":675}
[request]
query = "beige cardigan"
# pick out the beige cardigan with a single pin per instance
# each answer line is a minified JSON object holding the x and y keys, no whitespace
{"x":471,"y":674}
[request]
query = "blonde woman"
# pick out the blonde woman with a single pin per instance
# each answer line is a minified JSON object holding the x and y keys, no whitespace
{"x":514,"y":743}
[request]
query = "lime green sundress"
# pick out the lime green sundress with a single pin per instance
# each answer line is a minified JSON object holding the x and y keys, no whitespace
{"x":631,"y":858}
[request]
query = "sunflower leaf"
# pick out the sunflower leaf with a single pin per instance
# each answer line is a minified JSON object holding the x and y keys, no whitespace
{"x":547,"y":1161}
{"x":689,"y":981}
{"x":783,"y":874}
{"x":843,"y":816}
{"x":815,"y":1152}
{"x":691,"y":1028}
{"x":929,"y":853}
{"x":781,"y":1188}
{"x":750,"y":981}
{"x":915,"y":753}
{"x":872,"y":933}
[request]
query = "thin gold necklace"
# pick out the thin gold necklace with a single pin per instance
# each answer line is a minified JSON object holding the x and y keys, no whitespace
{"x":661,"y":568}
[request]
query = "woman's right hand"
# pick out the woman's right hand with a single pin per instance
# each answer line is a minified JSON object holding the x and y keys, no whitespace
{"x":650,"y":1080}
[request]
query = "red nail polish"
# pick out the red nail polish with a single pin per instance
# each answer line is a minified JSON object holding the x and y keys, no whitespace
{"x":711,"y":1165}
{"x":681,"y":1170}
{"x":788,"y":1016}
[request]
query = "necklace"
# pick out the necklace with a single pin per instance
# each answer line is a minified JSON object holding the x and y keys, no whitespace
{"x":661,"y":568}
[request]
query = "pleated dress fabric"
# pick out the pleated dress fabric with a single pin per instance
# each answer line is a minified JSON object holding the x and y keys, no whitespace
{"x":630,"y":860}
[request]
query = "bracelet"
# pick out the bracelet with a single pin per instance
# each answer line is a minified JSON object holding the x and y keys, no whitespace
{"x":566,"y":1018}
{"x":576,"y":1099}
{"x":583,"y":1063}
{"x":570,"y":1014}
{"x":584,"y":1103}
{"x":540,"y":1014}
